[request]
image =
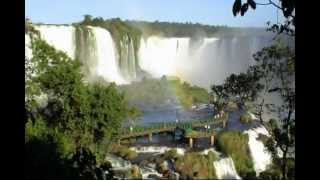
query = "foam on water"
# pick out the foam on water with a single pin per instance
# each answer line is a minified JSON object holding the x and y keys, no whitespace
{"x":156,"y":149}
{"x":107,"y":64}
{"x":225,"y":169}
{"x":260,"y":156}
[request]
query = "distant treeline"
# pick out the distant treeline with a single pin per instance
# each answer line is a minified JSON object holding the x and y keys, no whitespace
{"x":145,"y":28}
{"x":174,"y":29}
{"x":137,"y":28}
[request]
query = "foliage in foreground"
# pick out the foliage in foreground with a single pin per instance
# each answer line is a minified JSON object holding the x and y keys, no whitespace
{"x":74,"y":120}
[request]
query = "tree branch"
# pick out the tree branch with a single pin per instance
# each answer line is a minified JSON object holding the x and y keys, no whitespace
{"x":274,"y":4}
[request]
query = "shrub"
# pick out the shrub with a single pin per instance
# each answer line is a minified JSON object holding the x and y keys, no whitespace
{"x":246,"y":118}
{"x":171,"y":154}
{"x":235,"y":145}
{"x":196,"y":165}
{"x":134,"y":173}
{"x":124,"y":152}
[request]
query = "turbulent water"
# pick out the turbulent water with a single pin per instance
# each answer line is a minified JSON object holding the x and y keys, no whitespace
{"x":260,"y":156}
{"x":224,"y":166}
{"x":106,"y":61}
{"x":158,"y":150}
{"x":202,"y":62}
{"x":225,"y":169}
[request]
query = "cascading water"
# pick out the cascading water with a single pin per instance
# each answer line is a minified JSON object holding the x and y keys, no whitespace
{"x":86,"y":51}
{"x":225,"y":169}
{"x":201,"y":62}
{"x":27,"y":48}
{"x":106,"y":61}
{"x":158,"y":56}
{"x":260,"y":156}
{"x":92,"y":46}
{"x":127,"y":58}
{"x":224,"y":166}
{"x":118,"y":163}
{"x":59,"y":36}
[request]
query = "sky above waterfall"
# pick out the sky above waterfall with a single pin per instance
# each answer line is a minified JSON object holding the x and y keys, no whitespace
{"x":212,"y":12}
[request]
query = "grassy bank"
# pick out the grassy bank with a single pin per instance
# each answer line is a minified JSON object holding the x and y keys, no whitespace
{"x":235,"y":145}
{"x":158,"y":92}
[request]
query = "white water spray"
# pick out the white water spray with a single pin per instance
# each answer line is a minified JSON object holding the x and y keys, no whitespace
{"x":156,"y":149}
{"x":106,"y":65}
{"x":260,"y":156}
{"x":225,"y":169}
{"x":59,"y":36}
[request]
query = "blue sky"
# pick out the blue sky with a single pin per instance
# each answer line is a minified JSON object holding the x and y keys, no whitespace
{"x":213,"y":12}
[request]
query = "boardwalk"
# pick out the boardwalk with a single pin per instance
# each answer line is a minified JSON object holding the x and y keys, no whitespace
{"x":137,"y":131}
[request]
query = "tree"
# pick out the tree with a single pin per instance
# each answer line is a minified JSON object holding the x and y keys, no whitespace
{"x":220,"y":98}
{"x":273,"y":73}
{"x":241,"y":88}
{"x":286,"y":6}
{"x":277,"y":65}
{"x":87,"y":19}
{"x":244,"y":87}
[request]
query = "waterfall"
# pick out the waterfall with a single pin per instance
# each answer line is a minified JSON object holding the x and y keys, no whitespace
{"x":201,"y":62}
{"x":260,"y":156}
{"x":27,"y":47}
{"x":59,"y":36}
{"x":158,"y":56}
{"x":106,"y":59}
{"x":92,"y":46}
{"x":86,"y":51}
{"x":127,"y":58}
{"x":225,"y":169}
{"x":224,"y":166}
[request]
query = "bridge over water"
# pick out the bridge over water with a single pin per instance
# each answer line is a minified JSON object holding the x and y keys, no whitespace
{"x":187,"y":127}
